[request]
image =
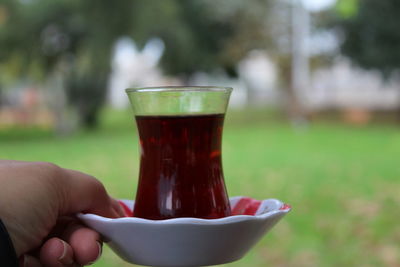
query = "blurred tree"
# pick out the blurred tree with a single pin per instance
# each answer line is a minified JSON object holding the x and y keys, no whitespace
{"x":252,"y":31}
{"x":268,"y":25}
{"x":371,"y":34}
{"x":199,"y":35}
{"x":193,"y":34}
{"x":347,"y":8}
{"x":37,"y":36}
{"x":99,"y":24}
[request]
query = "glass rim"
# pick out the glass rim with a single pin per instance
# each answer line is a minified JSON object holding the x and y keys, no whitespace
{"x":201,"y":88}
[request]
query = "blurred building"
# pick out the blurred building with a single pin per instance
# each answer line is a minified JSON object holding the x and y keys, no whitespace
{"x":132,"y":67}
{"x":343,"y":86}
{"x":25,"y":105}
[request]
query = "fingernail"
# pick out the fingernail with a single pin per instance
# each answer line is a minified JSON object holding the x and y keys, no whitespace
{"x":98,"y":255}
{"x":119,"y":210}
{"x":27,"y":261}
{"x":65,"y":257}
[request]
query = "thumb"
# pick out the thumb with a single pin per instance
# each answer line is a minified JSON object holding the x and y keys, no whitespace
{"x":80,"y":192}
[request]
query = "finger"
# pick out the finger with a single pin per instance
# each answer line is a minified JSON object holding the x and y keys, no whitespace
{"x":117,"y":207}
{"x":85,"y":243}
{"x":84,"y":193}
{"x":56,"y":253}
{"x":62,"y":224}
{"x":29,"y":261}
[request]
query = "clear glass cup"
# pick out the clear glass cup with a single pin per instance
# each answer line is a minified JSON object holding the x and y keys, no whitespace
{"x":180,"y":132}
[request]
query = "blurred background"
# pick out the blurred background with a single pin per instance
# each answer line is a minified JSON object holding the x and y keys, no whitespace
{"x":313,"y":120}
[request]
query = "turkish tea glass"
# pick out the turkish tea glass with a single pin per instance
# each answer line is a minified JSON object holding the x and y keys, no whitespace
{"x":180,"y":132}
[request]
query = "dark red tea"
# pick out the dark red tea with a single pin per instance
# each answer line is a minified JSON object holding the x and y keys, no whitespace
{"x":181,"y":170}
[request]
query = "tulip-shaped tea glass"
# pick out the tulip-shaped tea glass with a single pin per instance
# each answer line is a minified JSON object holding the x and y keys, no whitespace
{"x":180,"y":132}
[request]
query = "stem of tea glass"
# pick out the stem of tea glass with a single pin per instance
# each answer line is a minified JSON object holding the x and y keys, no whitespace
{"x":180,"y":132}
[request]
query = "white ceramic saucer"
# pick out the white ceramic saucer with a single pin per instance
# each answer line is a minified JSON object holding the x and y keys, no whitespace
{"x":189,"y":241}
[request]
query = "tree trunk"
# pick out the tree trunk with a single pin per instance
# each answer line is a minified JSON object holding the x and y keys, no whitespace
{"x":292,"y":106}
{"x":1,"y":95}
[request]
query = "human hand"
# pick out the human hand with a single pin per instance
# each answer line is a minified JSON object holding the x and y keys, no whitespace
{"x":38,"y":201}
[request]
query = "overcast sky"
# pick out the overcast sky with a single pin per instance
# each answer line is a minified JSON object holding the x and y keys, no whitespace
{"x":318,"y":5}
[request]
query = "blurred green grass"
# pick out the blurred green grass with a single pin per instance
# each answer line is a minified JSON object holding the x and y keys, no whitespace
{"x":342,"y":181}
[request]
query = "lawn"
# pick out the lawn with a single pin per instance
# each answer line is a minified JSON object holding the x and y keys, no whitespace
{"x":342,"y":181}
